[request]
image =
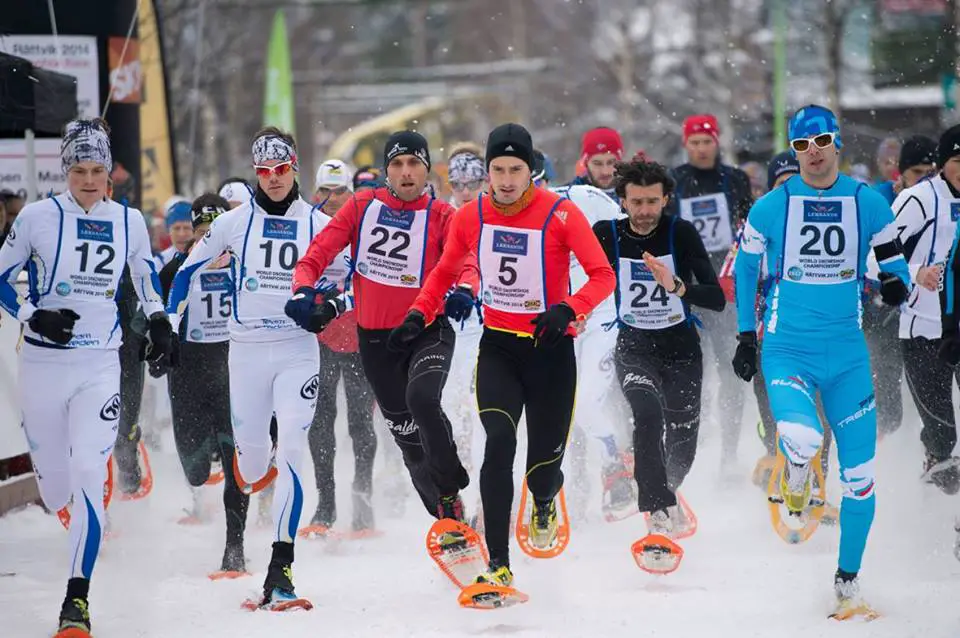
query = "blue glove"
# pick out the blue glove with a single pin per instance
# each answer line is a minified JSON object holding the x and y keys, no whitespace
{"x":300,"y":306}
{"x":459,"y":304}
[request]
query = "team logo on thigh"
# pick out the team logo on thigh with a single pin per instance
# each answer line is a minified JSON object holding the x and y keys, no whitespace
{"x":309,"y":389}
{"x":111,"y":409}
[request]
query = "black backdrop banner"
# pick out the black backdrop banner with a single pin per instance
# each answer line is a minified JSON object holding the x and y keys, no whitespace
{"x":102,"y":19}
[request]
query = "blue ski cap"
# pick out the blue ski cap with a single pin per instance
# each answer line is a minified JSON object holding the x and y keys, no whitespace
{"x":179,"y":212}
{"x":813,"y":120}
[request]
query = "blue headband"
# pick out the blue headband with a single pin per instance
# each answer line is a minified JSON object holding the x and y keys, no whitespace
{"x":814,"y":120}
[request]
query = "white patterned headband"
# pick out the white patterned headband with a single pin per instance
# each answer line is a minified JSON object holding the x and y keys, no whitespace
{"x":85,"y":141}
{"x":272,"y":147}
{"x":465,"y":168}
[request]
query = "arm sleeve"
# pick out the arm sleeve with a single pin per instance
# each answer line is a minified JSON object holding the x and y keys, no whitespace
{"x":707,"y":292}
{"x":746,"y":268}
{"x":143,"y":268}
{"x":167,"y":273}
{"x":324,"y":247}
{"x":14,"y":255}
{"x":950,"y":318}
{"x":600,"y":278}
{"x":884,"y":238}
{"x":210,"y":247}
{"x":911,"y":220}
{"x":456,"y":252}
{"x":470,"y":274}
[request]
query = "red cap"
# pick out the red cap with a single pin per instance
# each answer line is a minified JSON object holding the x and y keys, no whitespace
{"x":601,"y":140}
{"x":701,"y":125}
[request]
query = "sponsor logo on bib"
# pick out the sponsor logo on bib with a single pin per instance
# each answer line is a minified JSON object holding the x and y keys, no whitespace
{"x":795,"y":273}
{"x":63,"y":289}
{"x":640,"y":272}
{"x":280,"y":228}
{"x":487,"y":297}
{"x":704,"y":208}
{"x":402,"y":219}
{"x":408,"y":279}
{"x":954,"y":211}
{"x":196,"y":334}
{"x":819,"y":211}
{"x":846,"y":273}
{"x":362,"y":268}
{"x":531,"y":304}
{"x":214,"y":281}
{"x":95,"y":230}
{"x":510,"y":243}
{"x":252,"y":284}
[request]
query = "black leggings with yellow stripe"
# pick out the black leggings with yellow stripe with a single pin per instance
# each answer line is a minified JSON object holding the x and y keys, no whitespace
{"x":513,"y":376}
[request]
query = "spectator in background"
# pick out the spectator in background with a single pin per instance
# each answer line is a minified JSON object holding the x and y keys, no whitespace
{"x":888,"y":156}
{"x":466,"y":172}
{"x":12,"y":203}
{"x":543,"y":172}
{"x":918,"y":158}
{"x":758,"y":175}
{"x":860,"y":172}
{"x":334,"y":186}
{"x":179,"y":221}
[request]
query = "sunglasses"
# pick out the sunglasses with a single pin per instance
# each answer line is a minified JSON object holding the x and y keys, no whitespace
{"x":339,"y":190}
{"x":280,"y":169}
{"x":823,"y":140}
{"x":473,"y":185}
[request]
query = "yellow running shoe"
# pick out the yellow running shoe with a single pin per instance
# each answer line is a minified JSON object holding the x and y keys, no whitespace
{"x":795,"y":487}
{"x":500,"y":576}
{"x":544,"y":524}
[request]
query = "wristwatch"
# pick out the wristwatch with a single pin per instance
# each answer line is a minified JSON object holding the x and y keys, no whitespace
{"x":677,"y":283}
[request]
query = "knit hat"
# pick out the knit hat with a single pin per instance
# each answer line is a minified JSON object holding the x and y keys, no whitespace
{"x":704,"y":124}
{"x":85,"y":141}
{"x":406,"y":143}
{"x":334,"y":173}
{"x":180,"y":211}
{"x":510,"y":140}
{"x":542,"y":167}
{"x":235,"y":191}
{"x":917,"y":150}
{"x":601,"y":140}
{"x":367,"y":177}
{"x":781,"y":164}
{"x":949,"y":145}
{"x":813,"y":120}
{"x":464,"y":168}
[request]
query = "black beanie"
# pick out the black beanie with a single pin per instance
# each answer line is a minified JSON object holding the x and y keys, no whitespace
{"x":949,"y":145}
{"x":781,"y":164}
{"x":510,"y":140}
{"x":917,"y":150}
{"x":406,"y":143}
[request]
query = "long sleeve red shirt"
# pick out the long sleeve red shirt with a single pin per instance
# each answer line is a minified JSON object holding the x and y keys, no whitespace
{"x":567,"y":231}
{"x":379,"y":305}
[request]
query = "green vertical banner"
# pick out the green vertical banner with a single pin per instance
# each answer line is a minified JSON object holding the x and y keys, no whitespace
{"x":278,"y":100}
{"x":780,"y":77}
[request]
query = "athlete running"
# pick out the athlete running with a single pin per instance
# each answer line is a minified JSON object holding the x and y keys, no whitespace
{"x":815,"y":232}
{"x":397,"y":234}
{"x":524,"y":236}
{"x":658,"y":359}
{"x":74,"y":247}
{"x":272,"y":364}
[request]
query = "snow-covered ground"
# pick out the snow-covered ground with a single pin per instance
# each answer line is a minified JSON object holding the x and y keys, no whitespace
{"x":737,"y":578}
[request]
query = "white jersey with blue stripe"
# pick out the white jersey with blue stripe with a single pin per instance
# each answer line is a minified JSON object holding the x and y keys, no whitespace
{"x":816,"y":243}
{"x":265,"y":249}
{"x":74,"y":260}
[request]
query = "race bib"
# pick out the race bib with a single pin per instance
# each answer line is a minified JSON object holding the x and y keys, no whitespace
{"x":391,"y":245}
{"x":511,"y":268}
{"x":644,"y":303}
{"x":211,"y":304}
{"x":272,"y":250}
{"x":710,"y":215}
{"x":822,"y":240}
{"x":92,"y":259}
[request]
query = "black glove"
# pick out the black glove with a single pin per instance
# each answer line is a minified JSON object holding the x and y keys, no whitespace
{"x":459,"y":304}
{"x":301,"y":305}
{"x":745,"y":359}
{"x":330,"y":307}
{"x":949,"y":350}
{"x":406,"y":333}
{"x":55,"y":325}
{"x":550,"y":326}
{"x":158,"y":339}
{"x":161,"y":366}
{"x":892,"y":290}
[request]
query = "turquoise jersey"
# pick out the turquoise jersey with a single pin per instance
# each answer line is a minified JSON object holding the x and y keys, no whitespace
{"x":886,"y":189}
{"x":816,"y":245}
